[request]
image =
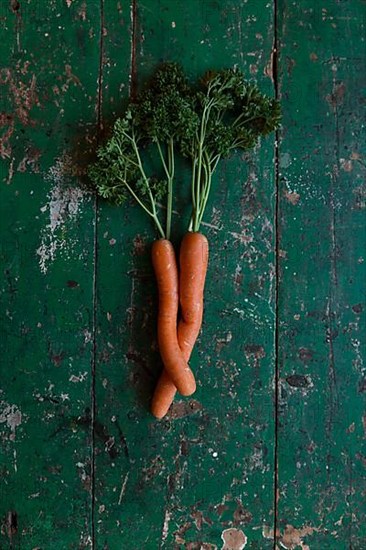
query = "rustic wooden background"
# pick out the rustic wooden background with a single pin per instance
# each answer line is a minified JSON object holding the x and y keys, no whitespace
{"x":270,"y":452}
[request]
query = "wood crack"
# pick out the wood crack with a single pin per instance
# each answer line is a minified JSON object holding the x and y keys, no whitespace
{"x":277,"y":272}
{"x":95,"y":320}
{"x":133,"y":66}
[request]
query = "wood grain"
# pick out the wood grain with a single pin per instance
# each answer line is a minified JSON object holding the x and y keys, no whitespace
{"x":48,"y":82}
{"x":269,"y":453}
{"x":182,"y":482}
{"x":322,"y":237}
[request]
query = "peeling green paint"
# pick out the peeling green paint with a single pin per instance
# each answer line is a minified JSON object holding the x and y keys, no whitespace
{"x":269,"y":452}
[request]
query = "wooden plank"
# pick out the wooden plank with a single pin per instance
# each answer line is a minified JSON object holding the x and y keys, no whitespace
{"x":208,"y":468}
{"x":48,"y":83}
{"x":116,"y":230}
{"x":322,"y":275}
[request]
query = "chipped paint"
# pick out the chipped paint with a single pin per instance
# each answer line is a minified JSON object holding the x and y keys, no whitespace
{"x":268,"y":69}
{"x":336,"y":98}
{"x":234,"y":539}
{"x":215,"y":449}
{"x":242,"y":237}
{"x":21,"y":91}
{"x":165,"y":531}
{"x":11,"y":171}
{"x":81,"y":377}
{"x":360,"y":196}
{"x":293,"y":197}
{"x":11,"y":416}
{"x":23,"y":94}
{"x":180,"y":409}
{"x":82,"y":11}
{"x":64,"y":205}
{"x":292,"y":537}
{"x":254,"y":353}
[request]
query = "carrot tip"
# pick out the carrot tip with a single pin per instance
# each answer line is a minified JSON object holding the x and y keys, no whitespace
{"x":188,"y":389}
{"x":158,"y":416}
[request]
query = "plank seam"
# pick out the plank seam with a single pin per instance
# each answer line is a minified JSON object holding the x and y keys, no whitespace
{"x":133,"y":66}
{"x":277,"y":272}
{"x":96,"y":208}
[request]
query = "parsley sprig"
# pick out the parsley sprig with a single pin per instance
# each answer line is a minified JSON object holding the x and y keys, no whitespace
{"x":205,"y":123}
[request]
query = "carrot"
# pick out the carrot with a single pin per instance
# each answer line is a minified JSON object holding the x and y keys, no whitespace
{"x":163,"y":395}
{"x":193,"y":268}
{"x":163,"y":259}
{"x":165,"y":391}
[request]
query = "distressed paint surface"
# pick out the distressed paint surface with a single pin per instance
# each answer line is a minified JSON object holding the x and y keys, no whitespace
{"x":47,"y":105}
{"x":209,"y":467}
{"x":279,"y":408}
{"x":322,"y":237}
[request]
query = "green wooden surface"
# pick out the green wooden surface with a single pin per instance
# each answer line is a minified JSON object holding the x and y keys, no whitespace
{"x":48,"y":98}
{"x":272,"y":443}
{"x":322,"y":237}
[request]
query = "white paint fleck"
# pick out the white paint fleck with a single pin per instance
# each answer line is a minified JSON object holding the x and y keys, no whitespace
{"x":267,"y":532}
{"x":123,"y":488}
{"x":292,"y":537}
{"x":240,"y":312}
{"x":11,"y":171}
{"x":64,"y":202}
{"x":80,"y":378}
{"x":340,"y":521}
{"x":85,"y":541}
{"x":358,"y":361}
{"x":242,"y":237}
{"x":165,"y":532}
{"x":12,"y":416}
{"x":173,"y":25}
{"x":109,"y":444}
{"x":212,"y":226}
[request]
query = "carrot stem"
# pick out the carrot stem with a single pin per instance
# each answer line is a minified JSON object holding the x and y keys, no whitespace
{"x":170,"y":188}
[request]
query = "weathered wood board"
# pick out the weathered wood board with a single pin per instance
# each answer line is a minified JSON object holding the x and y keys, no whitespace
{"x":218,"y":439}
{"x":270,"y":450}
{"x":322,"y":276}
{"x":48,"y":77}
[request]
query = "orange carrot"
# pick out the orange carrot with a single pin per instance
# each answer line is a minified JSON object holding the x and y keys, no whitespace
{"x":164,"y":392}
{"x":163,"y":259}
{"x":163,"y":395}
{"x":193,"y":268}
